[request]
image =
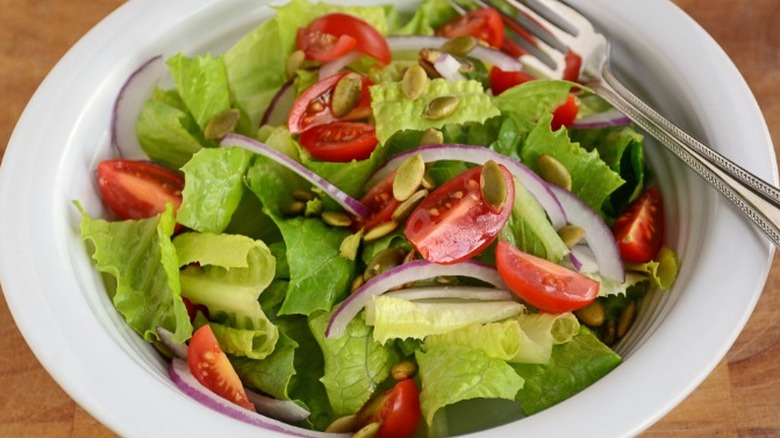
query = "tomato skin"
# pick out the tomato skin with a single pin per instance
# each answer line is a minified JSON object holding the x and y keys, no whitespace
{"x":639,"y":231}
{"x":543,"y":284}
{"x":398,"y":411}
{"x":367,"y":39}
{"x":483,"y":23}
{"x":323,"y":47}
{"x":211,"y":367}
{"x":454,"y":222}
{"x":313,"y":106}
{"x":340,"y":141}
{"x":380,"y":202}
{"x":565,"y":114}
{"x":138,"y":189}
{"x":501,"y":80}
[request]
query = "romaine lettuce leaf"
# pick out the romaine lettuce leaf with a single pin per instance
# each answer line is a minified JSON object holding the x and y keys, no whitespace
{"x":140,"y":256}
{"x":202,"y":85}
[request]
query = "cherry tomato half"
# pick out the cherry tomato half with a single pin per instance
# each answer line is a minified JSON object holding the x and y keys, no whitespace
{"x":211,"y":367}
{"x":397,"y":410}
{"x":327,"y":34}
{"x":541,"y":283}
{"x":380,"y":202}
{"x":454,"y":222}
{"x":501,"y":80}
{"x":483,"y":23}
{"x":138,"y":189}
{"x":639,"y":231}
{"x":565,"y":114}
{"x":313,"y":106}
{"x":340,"y":141}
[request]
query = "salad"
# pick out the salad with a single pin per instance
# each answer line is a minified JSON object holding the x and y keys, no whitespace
{"x":360,"y":221}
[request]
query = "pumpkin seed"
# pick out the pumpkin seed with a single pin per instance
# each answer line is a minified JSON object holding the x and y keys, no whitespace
{"x":368,"y":431}
{"x":221,"y":124}
{"x":431,"y":136}
{"x":626,"y":319}
{"x":408,"y":177}
{"x":380,"y":231}
{"x":430,"y":55}
{"x":405,"y":369}
{"x":344,"y":424}
{"x":460,"y":45}
{"x":302,"y":195}
{"x":466,"y":66}
{"x":493,"y":185}
{"x":571,"y":235}
{"x":383,"y":260}
{"x":428,"y":183}
{"x":294,"y":209}
{"x":336,"y":218}
{"x":414,"y":82}
{"x":406,"y":208}
{"x":357,"y":283}
{"x":441,"y":107}
{"x":294,"y":62}
{"x":608,"y":335}
{"x":346,"y":94}
{"x":554,"y":172}
{"x":592,"y":315}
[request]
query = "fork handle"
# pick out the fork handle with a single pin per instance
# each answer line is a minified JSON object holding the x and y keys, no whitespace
{"x":754,"y":197}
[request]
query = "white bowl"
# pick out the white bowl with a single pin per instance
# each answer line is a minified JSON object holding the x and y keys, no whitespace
{"x":60,"y":304}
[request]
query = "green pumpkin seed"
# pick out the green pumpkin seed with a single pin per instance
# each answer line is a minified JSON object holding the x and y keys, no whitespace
{"x":408,"y":177}
{"x":357,"y":283}
{"x":336,"y":218}
{"x":346,"y":94}
{"x":431,"y":136}
{"x":405,"y":369}
{"x":414,"y":82}
{"x":430,"y":56}
{"x":294,"y":62}
{"x":554,"y":172}
{"x":383,"y":260}
{"x":344,"y":424}
{"x":592,"y":315}
{"x":368,"y":431}
{"x":428,"y":183}
{"x":608,"y":335}
{"x":493,"y":185}
{"x":294,"y":209}
{"x":406,"y":208}
{"x":302,"y":195}
{"x":221,"y":124}
{"x":626,"y":319}
{"x":441,"y":107}
{"x":380,"y":231}
{"x":571,"y":235}
{"x":460,"y":45}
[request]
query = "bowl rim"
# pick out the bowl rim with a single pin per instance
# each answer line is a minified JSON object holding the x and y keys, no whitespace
{"x":36,"y":284}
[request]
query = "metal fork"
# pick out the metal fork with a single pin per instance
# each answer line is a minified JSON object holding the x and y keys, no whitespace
{"x":550,"y":29}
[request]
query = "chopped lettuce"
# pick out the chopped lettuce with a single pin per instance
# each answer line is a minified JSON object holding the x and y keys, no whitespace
{"x":202,"y":84}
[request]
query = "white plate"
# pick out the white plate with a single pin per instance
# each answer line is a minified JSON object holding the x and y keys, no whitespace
{"x":59,"y":302}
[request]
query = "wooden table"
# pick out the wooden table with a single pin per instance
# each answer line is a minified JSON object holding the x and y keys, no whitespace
{"x":740,"y":398}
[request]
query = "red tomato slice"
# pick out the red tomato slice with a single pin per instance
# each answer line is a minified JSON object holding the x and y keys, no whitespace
{"x":501,"y":80}
{"x":380,"y":202}
{"x":340,"y":141}
{"x":639,"y":231}
{"x":138,"y":189}
{"x":211,"y":367}
{"x":571,"y":70}
{"x":323,"y":47}
{"x":565,"y":114}
{"x":398,"y":411}
{"x":366,"y":38}
{"x":454,"y":222}
{"x":483,"y":23}
{"x":313,"y":107}
{"x":541,"y":283}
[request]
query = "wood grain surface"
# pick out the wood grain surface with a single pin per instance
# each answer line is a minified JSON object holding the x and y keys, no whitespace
{"x":740,"y":398}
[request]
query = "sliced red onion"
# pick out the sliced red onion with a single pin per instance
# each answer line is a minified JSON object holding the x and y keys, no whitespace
{"x":406,"y":273}
{"x":452,"y":292}
{"x":605,"y":119}
{"x":282,"y":410}
{"x":279,"y":108}
{"x":449,"y":68}
{"x":179,"y":372}
{"x":349,"y":203}
{"x":128,"y":105}
{"x":597,"y":234}
{"x":335,"y":66}
{"x":416,"y":42}
{"x":166,"y":336}
{"x":583,"y":260}
{"x":480,"y":155}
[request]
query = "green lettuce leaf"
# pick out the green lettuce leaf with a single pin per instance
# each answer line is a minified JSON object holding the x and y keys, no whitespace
{"x":202,"y":84}
{"x":451,"y":374}
{"x":140,"y":256}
